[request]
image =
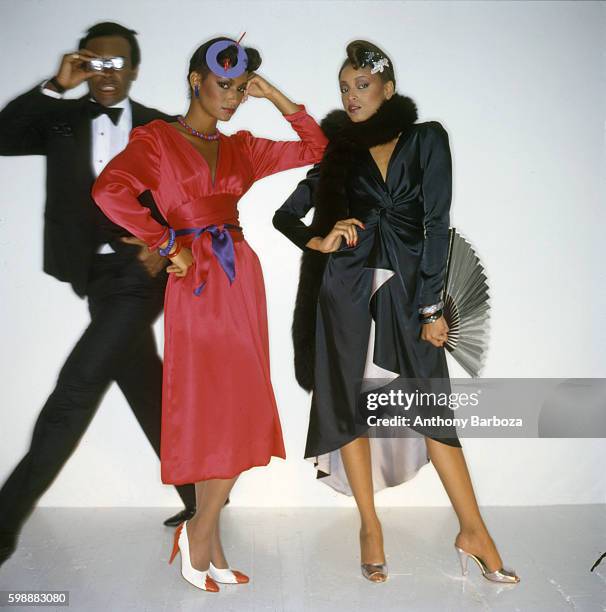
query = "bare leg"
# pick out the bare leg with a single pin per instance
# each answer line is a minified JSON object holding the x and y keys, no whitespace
{"x":356,"y":459}
{"x":202,"y":529}
{"x":473,"y":536}
{"x":217,"y":556}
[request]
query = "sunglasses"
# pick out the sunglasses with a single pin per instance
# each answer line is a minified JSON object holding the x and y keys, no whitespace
{"x":106,"y":63}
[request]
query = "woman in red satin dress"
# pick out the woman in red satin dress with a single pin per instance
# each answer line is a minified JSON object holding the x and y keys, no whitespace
{"x":219,"y":415}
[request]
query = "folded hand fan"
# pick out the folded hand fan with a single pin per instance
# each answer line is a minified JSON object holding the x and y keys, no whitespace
{"x":466,"y":307}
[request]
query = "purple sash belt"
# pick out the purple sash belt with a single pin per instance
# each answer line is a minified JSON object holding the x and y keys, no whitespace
{"x":215,"y":240}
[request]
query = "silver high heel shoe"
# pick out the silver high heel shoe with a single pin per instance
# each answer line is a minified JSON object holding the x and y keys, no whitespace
{"x":501,"y":575}
{"x":375,"y":572}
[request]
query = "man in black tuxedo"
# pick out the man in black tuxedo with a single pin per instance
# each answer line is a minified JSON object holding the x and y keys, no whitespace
{"x":123,"y":280}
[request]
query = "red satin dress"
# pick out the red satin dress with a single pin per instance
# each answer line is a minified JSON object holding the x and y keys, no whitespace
{"x":219,"y":413}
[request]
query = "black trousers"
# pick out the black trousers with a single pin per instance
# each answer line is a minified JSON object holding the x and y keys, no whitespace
{"x":118,"y":345}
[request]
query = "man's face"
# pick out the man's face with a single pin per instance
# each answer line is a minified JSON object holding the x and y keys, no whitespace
{"x":109,"y":86}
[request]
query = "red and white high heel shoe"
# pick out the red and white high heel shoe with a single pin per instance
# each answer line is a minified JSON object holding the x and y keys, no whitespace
{"x":227,"y":575}
{"x":199,"y":579}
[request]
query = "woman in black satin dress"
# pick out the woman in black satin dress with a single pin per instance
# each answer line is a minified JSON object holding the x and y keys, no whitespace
{"x":373,"y":265}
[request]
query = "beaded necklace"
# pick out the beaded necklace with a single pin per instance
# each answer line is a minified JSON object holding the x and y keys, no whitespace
{"x":195,"y":132}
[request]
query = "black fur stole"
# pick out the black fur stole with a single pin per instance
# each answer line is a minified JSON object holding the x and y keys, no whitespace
{"x":346,"y":138}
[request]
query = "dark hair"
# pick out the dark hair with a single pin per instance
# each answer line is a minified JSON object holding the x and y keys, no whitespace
{"x":357,"y":56}
{"x":197,"y":63}
{"x":109,"y":28}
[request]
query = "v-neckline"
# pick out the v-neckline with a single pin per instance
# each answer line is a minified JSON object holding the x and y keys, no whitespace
{"x":391,"y":158}
{"x":212,"y":176}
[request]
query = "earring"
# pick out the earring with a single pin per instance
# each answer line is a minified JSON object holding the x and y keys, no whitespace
{"x":196,"y":90}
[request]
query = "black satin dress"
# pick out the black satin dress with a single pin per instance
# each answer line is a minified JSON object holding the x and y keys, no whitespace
{"x":368,"y":328}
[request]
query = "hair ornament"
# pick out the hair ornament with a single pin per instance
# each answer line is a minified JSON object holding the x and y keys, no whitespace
{"x":379,"y":63}
{"x":226,"y":70}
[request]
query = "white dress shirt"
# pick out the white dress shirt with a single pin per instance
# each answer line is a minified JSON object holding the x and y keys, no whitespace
{"x":107,"y":139}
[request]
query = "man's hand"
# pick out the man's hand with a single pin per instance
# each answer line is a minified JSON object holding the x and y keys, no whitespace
{"x":154,"y":262}
{"x":74,"y":68}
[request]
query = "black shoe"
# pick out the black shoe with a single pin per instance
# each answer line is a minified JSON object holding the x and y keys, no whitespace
{"x":177,"y":519}
{"x":184,"y":515}
{"x":8,"y":543}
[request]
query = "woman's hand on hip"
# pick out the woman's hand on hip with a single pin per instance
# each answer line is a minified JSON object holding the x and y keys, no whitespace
{"x":436,"y":333}
{"x":180,"y":263}
{"x":343,"y":229}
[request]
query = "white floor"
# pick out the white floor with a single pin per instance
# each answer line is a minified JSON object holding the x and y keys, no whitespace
{"x":115,"y":560}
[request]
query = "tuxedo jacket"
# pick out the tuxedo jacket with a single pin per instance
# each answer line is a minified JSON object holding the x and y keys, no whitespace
{"x":61,"y":130}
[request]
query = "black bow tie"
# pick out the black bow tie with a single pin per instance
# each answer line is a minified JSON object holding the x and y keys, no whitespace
{"x":97,"y":109}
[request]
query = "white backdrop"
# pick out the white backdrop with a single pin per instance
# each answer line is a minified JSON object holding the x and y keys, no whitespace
{"x":519,"y":87}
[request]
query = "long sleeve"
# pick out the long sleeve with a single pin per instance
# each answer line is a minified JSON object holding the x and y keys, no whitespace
{"x":24,"y":122}
{"x":135,"y":170}
{"x":437,"y":193}
{"x":271,"y":156}
{"x":287,"y":219}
